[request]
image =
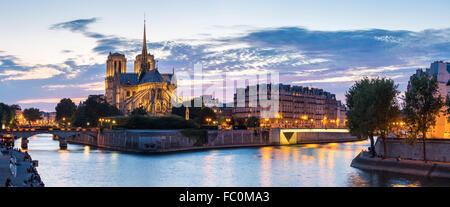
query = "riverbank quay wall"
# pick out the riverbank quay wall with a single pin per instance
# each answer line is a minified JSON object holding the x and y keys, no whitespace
{"x":310,"y":136}
{"x":437,"y":149}
{"x":181,"y":140}
{"x":365,"y":161}
{"x":172,"y":140}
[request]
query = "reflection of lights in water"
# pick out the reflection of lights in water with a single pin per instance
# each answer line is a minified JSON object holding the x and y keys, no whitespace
{"x":265,"y":152}
{"x":266,"y":162}
{"x":330,"y":160}
{"x":307,"y":158}
{"x":407,"y":185}
{"x":362,"y":142}
{"x":86,"y":151}
{"x":64,"y":155}
{"x":209,"y":170}
{"x":332,"y":144}
{"x":114,"y":158}
{"x":285,"y":150}
{"x":321,"y":158}
{"x":114,"y":155}
{"x":348,"y":143}
{"x":310,"y":146}
{"x":295,"y":155}
{"x":228,"y":169}
{"x":348,"y":154}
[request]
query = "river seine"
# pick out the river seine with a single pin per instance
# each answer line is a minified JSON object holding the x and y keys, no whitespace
{"x":300,"y":165}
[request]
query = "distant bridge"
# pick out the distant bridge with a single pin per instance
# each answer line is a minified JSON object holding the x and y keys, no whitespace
{"x":62,"y":134}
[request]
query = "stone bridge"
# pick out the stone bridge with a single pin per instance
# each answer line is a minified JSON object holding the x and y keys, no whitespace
{"x":59,"y":133}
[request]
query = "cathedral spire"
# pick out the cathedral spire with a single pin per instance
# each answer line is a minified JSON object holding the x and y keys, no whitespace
{"x":145,"y":65}
{"x":144,"y":46}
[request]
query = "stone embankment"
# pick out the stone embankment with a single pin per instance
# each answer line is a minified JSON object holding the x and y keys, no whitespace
{"x":407,"y":158}
{"x":157,"y":141}
{"x":17,"y":169}
{"x":437,"y":149}
{"x":364,"y":161}
{"x":148,"y":141}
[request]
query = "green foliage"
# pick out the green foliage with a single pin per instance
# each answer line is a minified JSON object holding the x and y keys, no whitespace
{"x":65,"y":108}
{"x":360,"y":109}
{"x":155,"y":122}
{"x":92,"y":109}
{"x":139,"y":111}
{"x":200,"y":136}
{"x":7,"y":114}
{"x":253,"y":122}
{"x":422,"y":103}
{"x":32,"y":114}
{"x":372,"y":108}
{"x":205,"y":113}
{"x":385,"y":105}
{"x":238,"y":123}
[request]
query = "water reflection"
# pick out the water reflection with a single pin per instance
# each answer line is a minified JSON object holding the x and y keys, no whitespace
{"x":301,"y":165}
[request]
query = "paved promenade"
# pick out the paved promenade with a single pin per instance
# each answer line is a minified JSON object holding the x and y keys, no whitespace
{"x":17,"y":167}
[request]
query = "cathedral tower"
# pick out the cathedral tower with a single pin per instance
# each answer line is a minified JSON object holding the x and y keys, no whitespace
{"x":115,"y":64}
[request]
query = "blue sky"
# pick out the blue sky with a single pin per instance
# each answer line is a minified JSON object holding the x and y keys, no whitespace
{"x":55,"y":49}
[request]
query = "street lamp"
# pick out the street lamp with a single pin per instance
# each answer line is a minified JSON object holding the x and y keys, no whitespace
{"x":208,"y":120}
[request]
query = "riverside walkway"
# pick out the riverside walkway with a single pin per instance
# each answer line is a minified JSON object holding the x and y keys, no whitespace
{"x":17,"y":166}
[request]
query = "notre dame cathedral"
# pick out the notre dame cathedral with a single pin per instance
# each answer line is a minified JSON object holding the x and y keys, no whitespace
{"x":146,"y":87}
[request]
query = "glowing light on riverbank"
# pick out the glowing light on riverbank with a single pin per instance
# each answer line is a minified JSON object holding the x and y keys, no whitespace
{"x":310,"y":146}
{"x":316,"y":130}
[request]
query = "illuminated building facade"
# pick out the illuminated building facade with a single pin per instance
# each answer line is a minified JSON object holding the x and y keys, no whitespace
{"x":146,"y":87}
{"x":299,"y":107}
{"x":442,"y":71}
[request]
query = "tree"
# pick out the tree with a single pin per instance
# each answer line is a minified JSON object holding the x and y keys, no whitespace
{"x":386,"y":108}
{"x":65,"y":108}
{"x":32,"y":114}
{"x":238,"y":123}
{"x":206,"y":115}
{"x":253,"y":122}
{"x":372,"y":108}
{"x":6,"y":115}
{"x":360,"y":111}
{"x":92,"y":109}
{"x":422,"y":104}
{"x":139,"y":111}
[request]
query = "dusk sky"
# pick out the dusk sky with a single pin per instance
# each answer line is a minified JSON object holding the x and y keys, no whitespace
{"x":55,"y":49}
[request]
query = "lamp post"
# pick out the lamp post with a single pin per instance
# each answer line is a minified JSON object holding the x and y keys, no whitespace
{"x":64,"y":121}
{"x":208,"y":120}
